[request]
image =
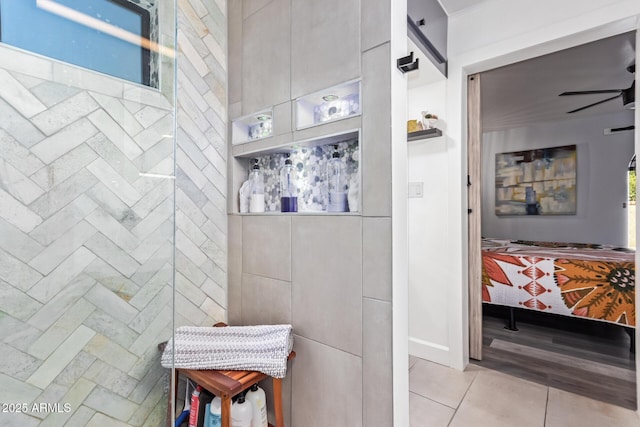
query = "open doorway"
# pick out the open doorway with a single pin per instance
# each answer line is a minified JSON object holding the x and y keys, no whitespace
{"x":512,"y":123}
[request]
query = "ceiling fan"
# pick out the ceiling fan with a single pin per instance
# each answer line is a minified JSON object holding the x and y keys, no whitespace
{"x":628,"y":95}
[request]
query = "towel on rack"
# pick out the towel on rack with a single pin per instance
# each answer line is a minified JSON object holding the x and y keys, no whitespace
{"x":262,"y":348}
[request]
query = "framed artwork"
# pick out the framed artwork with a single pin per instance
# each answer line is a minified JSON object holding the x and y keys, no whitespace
{"x":536,"y":182}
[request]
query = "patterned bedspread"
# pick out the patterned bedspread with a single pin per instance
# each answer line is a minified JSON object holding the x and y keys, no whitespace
{"x":591,"y":281}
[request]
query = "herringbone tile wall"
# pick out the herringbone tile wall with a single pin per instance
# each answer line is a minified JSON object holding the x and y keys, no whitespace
{"x":87,"y":242}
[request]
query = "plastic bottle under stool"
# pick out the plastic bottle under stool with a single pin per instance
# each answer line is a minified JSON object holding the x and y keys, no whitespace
{"x":241,"y":413}
{"x":215,"y":413}
{"x":258,"y":400}
{"x":195,"y":404}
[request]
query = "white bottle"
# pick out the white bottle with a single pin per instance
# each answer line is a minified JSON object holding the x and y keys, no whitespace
{"x":256,"y":196}
{"x":336,"y":184}
{"x":215,"y":413}
{"x":241,"y":413}
{"x":258,"y":401}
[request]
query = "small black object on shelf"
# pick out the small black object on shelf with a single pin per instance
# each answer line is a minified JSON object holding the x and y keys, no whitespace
{"x":406,"y":63}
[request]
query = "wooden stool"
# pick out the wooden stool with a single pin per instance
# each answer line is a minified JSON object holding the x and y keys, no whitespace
{"x":227,"y":384}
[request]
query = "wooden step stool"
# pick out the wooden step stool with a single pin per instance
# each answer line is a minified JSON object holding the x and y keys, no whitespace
{"x":227,"y":384}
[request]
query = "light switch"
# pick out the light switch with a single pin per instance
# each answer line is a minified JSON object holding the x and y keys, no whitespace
{"x":415,"y":189}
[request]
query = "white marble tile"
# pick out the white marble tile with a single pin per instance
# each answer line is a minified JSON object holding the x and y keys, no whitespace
{"x":191,"y":54}
{"x":26,"y":63}
{"x":214,"y":312}
{"x":440,"y":383}
{"x":113,"y":229}
{"x":216,"y":105}
{"x":52,"y":394}
{"x":154,"y":398}
{"x":218,"y":52}
{"x":184,"y":223}
{"x":16,"y":303}
{"x":61,"y":302}
{"x":566,"y":409}
{"x":16,"y":154}
{"x":149,"y":338}
{"x":189,"y":249}
{"x":64,"y":141}
{"x":152,"y":309}
{"x":59,"y":278}
{"x":16,"y":363}
{"x":18,"y":185}
{"x":51,"y":93}
{"x":190,"y":128}
{"x":17,"y":273}
{"x":215,"y":253}
{"x":149,"y":115}
{"x":152,"y":221}
{"x":19,"y":244}
{"x":146,"y":96}
{"x":111,"y":303}
{"x":110,"y":203}
{"x":114,"y":181}
{"x":17,"y":391}
{"x":190,"y":169}
{"x":74,"y":397}
{"x":160,"y":131}
{"x":118,"y":112}
{"x":81,"y":417}
{"x":29,"y":82}
{"x":106,"y":402}
{"x":63,"y":114}
{"x":110,"y":353}
{"x":112,"y":254}
{"x":21,"y":129}
{"x":110,"y":378}
{"x":160,"y":260}
{"x":154,"y":241}
{"x":112,"y":155}
{"x":215,"y":291}
{"x":61,"y":329}
{"x":217,"y":178}
{"x":191,"y":271}
{"x":64,"y":193}
{"x":194,"y":314}
{"x":51,"y":367}
{"x":64,"y":167}
{"x":111,"y":327}
{"x":18,"y":96}
{"x":17,"y":214}
{"x":63,"y":220}
{"x":214,"y":233}
{"x":190,"y":91}
{"x":86,"y":79}
{"x":115,"y":134}
{"x":189,"y":290}
{"x":498,"y":400}
{"x":61,"y":248}
{"x":152,"y":288}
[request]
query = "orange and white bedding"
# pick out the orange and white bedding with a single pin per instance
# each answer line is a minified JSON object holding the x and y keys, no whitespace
{"x":589,"y":281}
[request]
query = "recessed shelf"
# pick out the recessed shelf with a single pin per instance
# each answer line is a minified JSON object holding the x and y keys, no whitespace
{"x":423,"y":134}
{"x":331,"y":104}
{"x":252,"y":127}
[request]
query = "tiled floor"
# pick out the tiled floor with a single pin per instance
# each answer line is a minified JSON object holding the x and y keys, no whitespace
{"x":478,"y":397}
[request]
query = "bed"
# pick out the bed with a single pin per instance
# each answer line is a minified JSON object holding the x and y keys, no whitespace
{"x":579,"y":280}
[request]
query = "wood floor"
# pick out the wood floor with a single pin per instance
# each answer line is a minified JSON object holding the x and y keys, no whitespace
{"x":583,"y":357}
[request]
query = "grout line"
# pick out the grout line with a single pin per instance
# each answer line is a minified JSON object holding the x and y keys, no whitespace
{"x":546,"y":406}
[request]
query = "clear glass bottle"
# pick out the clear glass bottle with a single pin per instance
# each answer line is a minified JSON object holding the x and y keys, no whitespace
{"x":336,"y":183}
{"x":256,"y":198}
{"x":288,"y":189}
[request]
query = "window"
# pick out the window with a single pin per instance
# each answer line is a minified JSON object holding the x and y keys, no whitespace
{"x":103,"y":35}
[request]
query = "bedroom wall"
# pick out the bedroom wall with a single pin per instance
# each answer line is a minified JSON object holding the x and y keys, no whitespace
{"x":601,"y":181}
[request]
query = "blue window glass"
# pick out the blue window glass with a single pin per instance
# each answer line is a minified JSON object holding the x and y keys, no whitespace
{"x":89,"y":33}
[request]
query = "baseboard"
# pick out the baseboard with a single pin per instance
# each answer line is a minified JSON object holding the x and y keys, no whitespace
{"x":429,"y":351}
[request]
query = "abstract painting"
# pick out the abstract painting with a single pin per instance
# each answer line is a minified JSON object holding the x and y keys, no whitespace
{"x":536,"y":182}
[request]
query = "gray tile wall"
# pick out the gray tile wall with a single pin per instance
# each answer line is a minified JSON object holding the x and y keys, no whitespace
{"x":329,"y":274}
{"x":86,"y":255}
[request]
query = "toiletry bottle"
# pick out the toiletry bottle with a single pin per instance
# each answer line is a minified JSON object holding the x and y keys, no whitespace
{"x":336,"y":183}
{"x":256,"y":198}
{"x":288,"y":190}
{"x":258,"y":401}
{"x":241,"y":413}
{"x":195,"y":404}
{"x":215,"y":413}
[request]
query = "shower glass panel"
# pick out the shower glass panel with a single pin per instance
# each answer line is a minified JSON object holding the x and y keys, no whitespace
{"x":87,"y":218}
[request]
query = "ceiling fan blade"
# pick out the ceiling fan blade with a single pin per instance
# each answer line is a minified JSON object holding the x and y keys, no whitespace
{"x":590,"y":92}
{"x":632,"y":127}
{"x":594,"y":104}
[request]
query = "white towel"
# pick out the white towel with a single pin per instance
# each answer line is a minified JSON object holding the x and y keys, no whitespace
{"x":262,"y":348}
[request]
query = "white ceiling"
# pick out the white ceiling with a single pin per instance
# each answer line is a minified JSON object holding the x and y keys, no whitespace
{"x":527,"y":92}
{"x":452,"y":6}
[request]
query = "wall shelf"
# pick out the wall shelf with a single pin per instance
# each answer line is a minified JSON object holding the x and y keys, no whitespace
{"x":423,"y":134}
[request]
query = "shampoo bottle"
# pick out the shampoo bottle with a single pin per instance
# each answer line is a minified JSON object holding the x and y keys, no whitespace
{"x":258,"y":400}
{"x":336,"y":183}
{"x":288,"y":190}
{"x":241,"y":413}
{"x":256,"y":197}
